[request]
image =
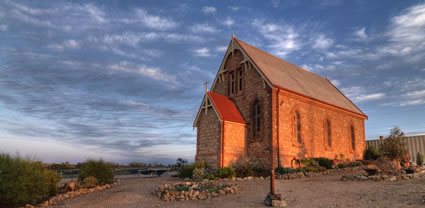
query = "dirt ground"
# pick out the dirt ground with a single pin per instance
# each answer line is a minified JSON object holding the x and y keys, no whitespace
{"x":323,"y":191}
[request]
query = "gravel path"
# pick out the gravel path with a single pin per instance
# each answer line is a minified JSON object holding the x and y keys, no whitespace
{"x":323,"y":191}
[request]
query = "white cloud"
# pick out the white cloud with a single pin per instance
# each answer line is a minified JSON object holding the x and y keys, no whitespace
{"x":73,"y":44}
{"x":204,"y":52}
{"x":283,"y":38}
{"x":368,"y":97}
{"x":228,"y":22}
{"x":361,"y":34}
{"x":206,"y":28}
{"x":418,"y":93}
{"x":335,"y":82}
{"x":359,"y":94}
{"x":152,"y":21}
{"x":151,"y":72}
{"x":209,"y":10}
{"x":3,"y":27}
{"x":275,"y":3}
{"x":406,"y":33}
{"x":221,"y":48}
{"x":234,"y":8}
{"x":322,"y":42}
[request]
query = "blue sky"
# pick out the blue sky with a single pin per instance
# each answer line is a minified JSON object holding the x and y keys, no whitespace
{"x":122,"y":80}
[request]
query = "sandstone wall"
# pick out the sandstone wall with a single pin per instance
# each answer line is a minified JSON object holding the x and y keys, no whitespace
{"x":313,"y":131}
{"x":234,"y":142}
{"x":208,"y":138}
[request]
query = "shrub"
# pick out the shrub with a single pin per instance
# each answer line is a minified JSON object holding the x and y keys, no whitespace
{"x":25,"y":181}
{"x":198,"y":173}
{"x":97,"y":169}
{"x":419,"y":159}
{"x":250,"y":167}
{"x":226,"y":172}
{"x":343,"y":165}
{"x":371,"y":153}
{"x":394,"y":146}
{"x":186,"y":172}
{"x":282,"y":171}
{"x":211,"y":176}
{"x":309,"y":162}
{"x":89,"y":182}
{"x":324,"y":162}
{"x":356,"y":163}
{"x":200,"y":164}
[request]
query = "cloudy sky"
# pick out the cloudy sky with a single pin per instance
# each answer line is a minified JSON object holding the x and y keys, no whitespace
{"x":122,"y":80}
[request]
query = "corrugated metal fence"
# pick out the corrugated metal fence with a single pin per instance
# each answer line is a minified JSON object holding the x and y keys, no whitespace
{"x":415,"y":144}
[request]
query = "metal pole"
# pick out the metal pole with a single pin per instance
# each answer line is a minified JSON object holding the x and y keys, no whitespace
{"x":272,"y":188}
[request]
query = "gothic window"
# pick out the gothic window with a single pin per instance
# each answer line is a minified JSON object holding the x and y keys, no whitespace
{"x":231,"y":82}
{"x":298,"y":126}
{"x":240,"y":76}
{"x":353,"y":137}
{"x":328,"y":133}
{"x":257,"y":118}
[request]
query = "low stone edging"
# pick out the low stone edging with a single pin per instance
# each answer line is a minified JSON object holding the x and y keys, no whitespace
{"x":312,"y":174}
{"x":385,"y":177}
{"x":71,"y":194}
{"x":177,"y":192}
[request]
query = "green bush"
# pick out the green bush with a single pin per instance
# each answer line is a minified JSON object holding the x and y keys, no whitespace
{"x":394,"y":147}
{"x":282,"y":171}
{"x":344,"y":165}
{"x":25,"y":181}
{"x":89,"y":182}
{"x":200,"y":164}
{"x":324,"y":162}
{"x":186,"y":172}
{"x":226,"y":172}
{"x":251,"y":167}
{"x":419,"y":159}
{"x":356,"y":163}
{"x":309,"y":162}
{"x":371,"y":153}
{"x":198,"y":173}
{"x":97,"y":169}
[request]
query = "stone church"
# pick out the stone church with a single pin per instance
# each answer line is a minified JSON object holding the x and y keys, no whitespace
{"x":260,"y":105}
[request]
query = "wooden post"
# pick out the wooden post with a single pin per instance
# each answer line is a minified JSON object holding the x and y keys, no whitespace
{"x":272,"y":182}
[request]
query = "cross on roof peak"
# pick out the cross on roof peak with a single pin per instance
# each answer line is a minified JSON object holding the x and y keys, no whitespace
{"x":206,"y":85}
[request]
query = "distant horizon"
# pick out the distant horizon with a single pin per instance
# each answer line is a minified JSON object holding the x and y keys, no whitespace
{"x":123,"y":81}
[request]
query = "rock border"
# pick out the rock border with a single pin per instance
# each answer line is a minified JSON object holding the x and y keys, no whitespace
{"x":166,"y":192}
{"x":385,"y":177}
{"x":72,"y":194}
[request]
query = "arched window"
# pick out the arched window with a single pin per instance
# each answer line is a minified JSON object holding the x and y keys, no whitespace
{"x":257,"y":118}
{"x":353,"y":137}
{"x":328,"y":133}
{"x":297,"y":128}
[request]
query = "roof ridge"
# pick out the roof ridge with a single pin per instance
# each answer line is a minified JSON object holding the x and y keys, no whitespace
{"x":269,"y":54}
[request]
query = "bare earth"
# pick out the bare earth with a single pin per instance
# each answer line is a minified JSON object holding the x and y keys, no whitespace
{"x":323,"y":191}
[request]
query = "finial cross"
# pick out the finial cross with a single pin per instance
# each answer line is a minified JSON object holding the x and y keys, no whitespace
{"x":206,"y":85}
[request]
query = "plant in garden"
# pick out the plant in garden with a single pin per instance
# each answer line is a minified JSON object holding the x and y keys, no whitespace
{"x":97,"y":169}
{"x":324,"y":162}
{"x":225,"y":172}
{"x":394,"y":147}
{"x":419,"y":159}
{"x":282,"y":171}
{"x":25,"y":181}
{"x":89,"y":182}
{"x":371,"y":153}
{"x":198,"y":173}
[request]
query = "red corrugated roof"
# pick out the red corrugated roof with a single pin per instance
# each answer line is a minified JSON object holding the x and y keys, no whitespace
{"x":225,"y":108}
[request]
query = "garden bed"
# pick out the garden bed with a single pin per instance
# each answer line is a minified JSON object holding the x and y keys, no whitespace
{"x":194,"y":190}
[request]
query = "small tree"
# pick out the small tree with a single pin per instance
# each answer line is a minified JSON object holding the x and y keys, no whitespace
{"x":180,"y":162}
{"x":394,"y":146}
{"x":419,"y":159}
